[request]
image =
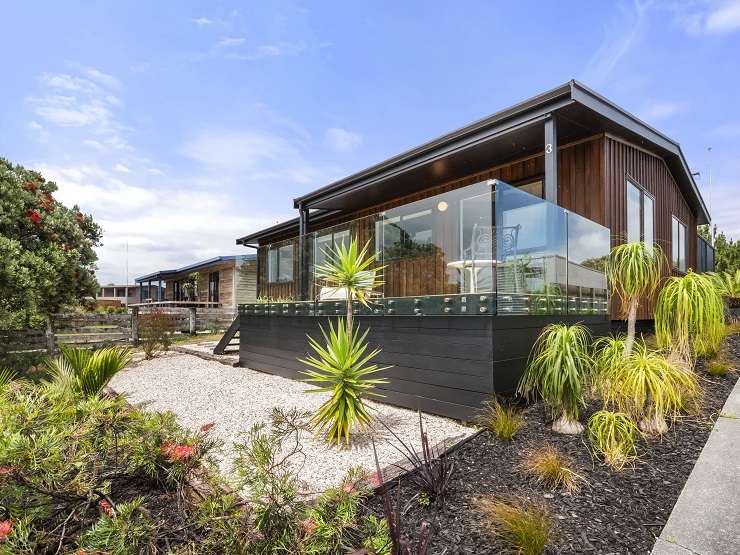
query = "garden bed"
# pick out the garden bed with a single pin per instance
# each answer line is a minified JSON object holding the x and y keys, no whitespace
{"x":201,"y":392}
{"x":617,"y":512}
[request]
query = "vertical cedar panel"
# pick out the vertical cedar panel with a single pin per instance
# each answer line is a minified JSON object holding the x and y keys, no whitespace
{"x":651,"y":173}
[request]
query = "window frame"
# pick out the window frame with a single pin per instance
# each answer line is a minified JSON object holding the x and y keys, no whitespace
{"x":675,"y":264}
{"x":273,"y":268}
{"x":629,"y":180}
{"x":214,"y":287}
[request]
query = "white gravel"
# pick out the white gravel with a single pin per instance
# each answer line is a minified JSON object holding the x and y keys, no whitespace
{"x":200,"y":391}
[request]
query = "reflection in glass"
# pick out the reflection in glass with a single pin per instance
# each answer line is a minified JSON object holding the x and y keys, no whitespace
{"x":633,"y":213}
{"x":588,"y":254}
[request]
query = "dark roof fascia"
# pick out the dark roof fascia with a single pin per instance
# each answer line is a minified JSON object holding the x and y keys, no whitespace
{"x":519,"y":115}
{"x":284,"y":227}
{"x":190,"y":267}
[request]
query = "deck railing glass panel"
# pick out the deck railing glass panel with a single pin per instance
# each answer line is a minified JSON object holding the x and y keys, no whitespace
{"x":480,"y":249}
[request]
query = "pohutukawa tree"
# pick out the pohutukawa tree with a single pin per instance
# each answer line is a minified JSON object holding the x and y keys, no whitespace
{"x":634,"y":271}
{"x":47,"y":256}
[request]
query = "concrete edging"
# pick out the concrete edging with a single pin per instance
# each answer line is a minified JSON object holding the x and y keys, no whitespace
{"x":706,"y":517}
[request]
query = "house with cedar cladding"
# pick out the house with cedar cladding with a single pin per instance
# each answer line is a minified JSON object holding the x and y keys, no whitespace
{"x":485,"y":235}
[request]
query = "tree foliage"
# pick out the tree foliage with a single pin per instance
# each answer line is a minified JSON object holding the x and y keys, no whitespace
{"x":47,"y":256}
{"x":726,"y":251}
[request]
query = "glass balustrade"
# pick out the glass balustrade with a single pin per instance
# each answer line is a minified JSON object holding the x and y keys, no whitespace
{"x":485,"y":248}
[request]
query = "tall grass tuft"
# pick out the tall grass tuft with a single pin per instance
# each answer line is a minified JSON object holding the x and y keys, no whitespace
{"x":552,"y":468}
{"x":689,"y":317}
{"x":648,"y":387}
{"x":343,"y":366}
{"x":613,"y":436}
{"x":504,"y":420}
{"x":717,"y":367}
{"x":524,"y":526}
{"x":634,"y":271}
{"x":557,"y":371}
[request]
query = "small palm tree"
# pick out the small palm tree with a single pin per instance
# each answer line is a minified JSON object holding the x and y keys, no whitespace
{"x":343,"y":367}
{"x":634,"y":270}
{"x":690,"y":316}
{"x":85,"y":371}
{"x":557,"y":371}
{"x":348,"y":268}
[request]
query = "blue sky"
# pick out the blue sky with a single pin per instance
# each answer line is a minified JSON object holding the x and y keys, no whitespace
{"x":182,"y":125}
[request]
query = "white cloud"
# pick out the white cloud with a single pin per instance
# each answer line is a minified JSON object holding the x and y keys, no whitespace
{"x":121,"y":168}
{"x":269,"y":51}
{"x":342,"y":140}
{"x":708,"y":17}
{"x":202,"y":21}
{"x":619,"y":38}
{"x":230,"y":42}
{"x":661,"y":110}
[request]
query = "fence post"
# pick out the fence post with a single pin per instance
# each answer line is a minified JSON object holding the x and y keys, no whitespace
{"x":135,"y":325}
{"x":192,"y":320}
{"x":50,"y":343}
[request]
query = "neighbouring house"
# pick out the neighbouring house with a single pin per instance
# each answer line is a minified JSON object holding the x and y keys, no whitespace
{"x":485,"y":235}
{"x":220,"y":282}
{"x":117,"y":295}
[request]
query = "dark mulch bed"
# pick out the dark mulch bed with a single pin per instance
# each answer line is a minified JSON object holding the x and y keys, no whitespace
{"x":616,"y":513}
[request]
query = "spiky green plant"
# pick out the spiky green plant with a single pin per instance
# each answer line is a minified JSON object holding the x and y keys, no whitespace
{"x":343,"y":366}
{"x":349,"y":268}
{"x":557,"y":370}
{"x":634,"y":271}
{"x":689,"y":317}
{"x":6,"y":376}
{"x":649,"y":388}
{"x":608,"y":352}
{"x":85,"y":371}
{"x":613,"y":436}
{"x":727,"y":283}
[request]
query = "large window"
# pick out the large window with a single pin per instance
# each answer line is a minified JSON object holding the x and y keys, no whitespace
{"x":678,"y":244}
{"x":640,"y":215}
{"x":408,"y":235}
{"x":329,"y":241}
{"x":213,"y":287}
{"x":280,"y":263}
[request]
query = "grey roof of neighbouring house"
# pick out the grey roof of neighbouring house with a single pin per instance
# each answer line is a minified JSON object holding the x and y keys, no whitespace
{"x":161,"y":274}
{"x":573,"y":102}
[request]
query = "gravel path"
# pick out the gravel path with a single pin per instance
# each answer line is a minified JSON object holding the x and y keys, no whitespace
{"x":200,"y":391}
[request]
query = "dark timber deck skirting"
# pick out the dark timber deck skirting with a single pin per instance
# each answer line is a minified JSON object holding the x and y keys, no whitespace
{"x":445,"y":365}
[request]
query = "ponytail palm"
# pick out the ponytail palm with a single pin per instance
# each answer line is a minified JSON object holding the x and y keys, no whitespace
{"x":557,"y":371}
{"x":690,"y":313}
{"x":349,"y":268}
{"x":343,"y":366}
{"x":634,"y":271}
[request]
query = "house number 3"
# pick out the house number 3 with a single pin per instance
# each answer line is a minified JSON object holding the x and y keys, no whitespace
{"x":548,"y":148}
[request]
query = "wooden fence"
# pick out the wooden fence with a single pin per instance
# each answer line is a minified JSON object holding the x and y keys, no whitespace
{"x":97,"y":330}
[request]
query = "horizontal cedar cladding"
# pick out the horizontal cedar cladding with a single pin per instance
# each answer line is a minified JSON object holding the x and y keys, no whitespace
{"x":623,"y":160}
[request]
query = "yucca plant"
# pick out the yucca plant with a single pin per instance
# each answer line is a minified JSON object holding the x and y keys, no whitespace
{"x":727,"y":283}
{"x":349,"y":268}
{"x":85,"y":371}
{"x":557,"y":370}
{"x":342,"y":365}
{"x":649,"y":388}
{"x":689,"y":317}
{"x":613,"y":436}
{"x":634,"y":271}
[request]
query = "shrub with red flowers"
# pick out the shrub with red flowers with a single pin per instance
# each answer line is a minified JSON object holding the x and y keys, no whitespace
{"x":47,"y":250}
{"x":6,"y":526}
{"x":176,"y":453}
